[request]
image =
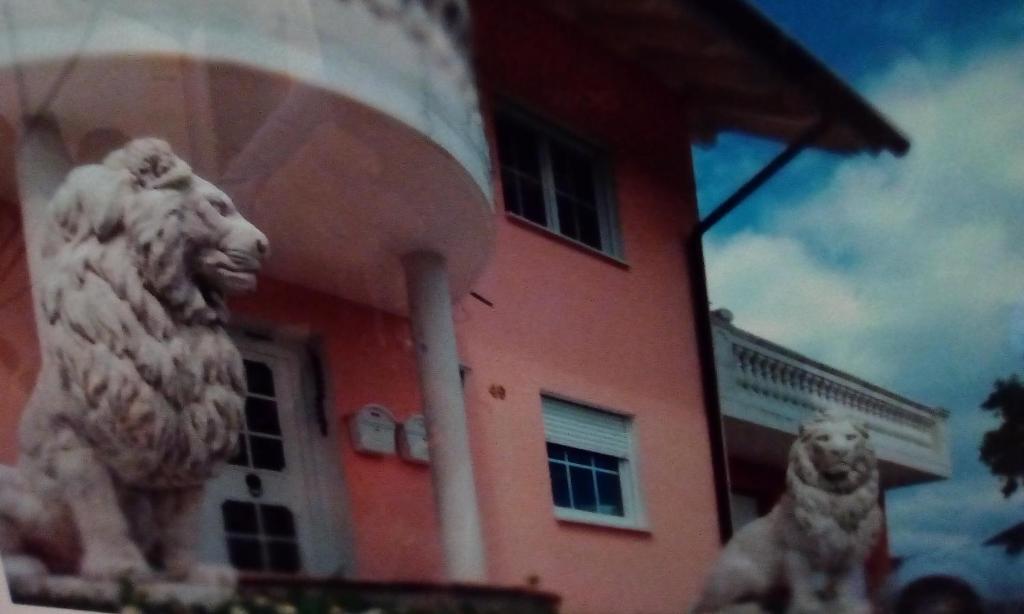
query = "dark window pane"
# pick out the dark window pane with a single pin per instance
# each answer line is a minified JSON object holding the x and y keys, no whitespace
{"x":518,"y":147}
{"x":590,"y":228}
{"x":573,"y":173}
{"x":261,"y":416}
{"x":277,"y":521}
{"x":241,"y":456}
{"x":510,"y":189}
{"x":531,"y":204}
{"x":245,"y":554}
{"x":603,"y":461}
{"x":567,"y":218}
{"x":239,"y":517}
{"x":556,"y":451}
{"x":267,"y":453}
{"x":583,"y":495}
{"x":579,"y":456}
{"x":284,"y":556}
{"x":559,"y":484}
{"x":609,"y":494}
{"x":259,"y":377}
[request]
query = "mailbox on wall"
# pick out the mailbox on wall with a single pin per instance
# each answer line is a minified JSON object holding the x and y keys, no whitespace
{"x":412,"y":440}
{"x":373,"y":430}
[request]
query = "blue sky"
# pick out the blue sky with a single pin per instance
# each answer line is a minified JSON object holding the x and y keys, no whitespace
{"x":908,"y":272}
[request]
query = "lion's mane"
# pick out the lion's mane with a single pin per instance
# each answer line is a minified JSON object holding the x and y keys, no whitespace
{"x":833,"y":524}
{"x":155,"y":383}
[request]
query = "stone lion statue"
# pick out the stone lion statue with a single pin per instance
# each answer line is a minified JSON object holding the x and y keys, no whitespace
{"x":818,"y":536}
{"x":139,"y":399}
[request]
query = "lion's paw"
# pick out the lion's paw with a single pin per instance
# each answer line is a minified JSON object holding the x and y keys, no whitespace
{"x":212,"y":575}
{"x":126,"y":563}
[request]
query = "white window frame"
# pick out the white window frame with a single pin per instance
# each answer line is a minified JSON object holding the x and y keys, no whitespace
{"x":604,"y":193}
{"x":576,"y":433}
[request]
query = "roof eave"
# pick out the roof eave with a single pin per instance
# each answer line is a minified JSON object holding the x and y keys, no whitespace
{"x":750,"y":28}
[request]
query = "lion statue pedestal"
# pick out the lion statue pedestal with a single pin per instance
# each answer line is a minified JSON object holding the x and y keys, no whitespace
{"x":816,"y":539}
{"x":139,"y":399}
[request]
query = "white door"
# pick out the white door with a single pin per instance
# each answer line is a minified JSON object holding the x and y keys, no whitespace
{"x":259,"y":513}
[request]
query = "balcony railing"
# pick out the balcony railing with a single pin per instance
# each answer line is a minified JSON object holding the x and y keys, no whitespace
{"x":769,"y":385}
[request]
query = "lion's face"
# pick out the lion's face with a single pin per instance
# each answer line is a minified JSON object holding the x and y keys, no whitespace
{"x":227,"y":250}
{"x":834,"y":454}
{"x":184,"y":231}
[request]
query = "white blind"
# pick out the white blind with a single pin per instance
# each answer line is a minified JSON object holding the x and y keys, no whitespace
{"x":573,"y":425}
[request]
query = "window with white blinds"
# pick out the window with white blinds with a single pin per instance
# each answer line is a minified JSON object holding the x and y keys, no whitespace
{"x":578,"y":426}
{"x":590,"y":464}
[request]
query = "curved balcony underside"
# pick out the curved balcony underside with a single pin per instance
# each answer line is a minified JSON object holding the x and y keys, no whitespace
{"x":346,"y":134}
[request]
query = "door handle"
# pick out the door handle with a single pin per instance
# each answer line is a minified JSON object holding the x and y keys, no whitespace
{"x":254,"y":484}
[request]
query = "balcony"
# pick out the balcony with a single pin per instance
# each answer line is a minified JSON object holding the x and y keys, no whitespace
{"x":347,"y":130}
{"x":767,"y":390}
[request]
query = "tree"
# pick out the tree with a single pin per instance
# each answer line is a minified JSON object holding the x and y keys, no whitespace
{"x":1002,"y":449}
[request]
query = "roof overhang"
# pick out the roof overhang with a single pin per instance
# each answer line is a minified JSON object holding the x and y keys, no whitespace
{"x":737,"y":70}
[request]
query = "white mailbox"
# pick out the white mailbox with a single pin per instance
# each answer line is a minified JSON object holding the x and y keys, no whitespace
{"x":373,"y":430}
{"x":412,"y":440}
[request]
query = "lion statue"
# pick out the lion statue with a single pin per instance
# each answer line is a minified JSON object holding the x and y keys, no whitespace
{"x":140,"y":396}
{"x":817,"y":537}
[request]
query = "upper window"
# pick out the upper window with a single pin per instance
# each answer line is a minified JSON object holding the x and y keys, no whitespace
{"x":590,"y":463}
{"x":556,"y":181}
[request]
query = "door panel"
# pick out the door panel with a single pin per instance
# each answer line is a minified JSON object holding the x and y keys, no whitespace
{"x":257,"y":514}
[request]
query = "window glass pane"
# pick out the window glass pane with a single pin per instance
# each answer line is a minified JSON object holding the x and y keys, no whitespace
{"x":261,"y":416}
{"x":582,"y":485}
{"x":259,"y":378}
{"x":245,"y":554}
{"x":567,"y":218}
{"x":603,"y":461}
{"x":609,"y":494}
{"x":518,"y":146}
{"x":277,"y":521}
{"x":239,"y":517}
{"x":573,"y":173}
{"x":559,"y":484}
{"x":283,"y":556}
{"x":531,"y":201}
{"x":556,"y":451}
{"x":589,"y":227}
{"x":267,"y":453}
{"x":578,"y":456}
{"x":510,"y":190}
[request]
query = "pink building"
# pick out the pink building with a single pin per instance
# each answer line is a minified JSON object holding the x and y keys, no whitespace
{"x":549,"y":255}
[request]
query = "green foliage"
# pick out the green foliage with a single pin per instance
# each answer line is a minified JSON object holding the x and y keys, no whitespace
{"x":1002,"y":449}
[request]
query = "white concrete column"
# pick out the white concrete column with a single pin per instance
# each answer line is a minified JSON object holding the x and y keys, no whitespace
{"x":43,"y":162}
{"x":451,"y":461}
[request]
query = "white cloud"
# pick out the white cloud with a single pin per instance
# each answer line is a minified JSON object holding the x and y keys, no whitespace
{"x":902,"y":271}
{"x":909,"y":272}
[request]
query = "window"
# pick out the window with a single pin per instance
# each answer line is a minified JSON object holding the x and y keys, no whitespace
{"x":260,"y":444}
{"x":261,"y":537}
{"x":556,"y":181}
{"x":590,"y":457}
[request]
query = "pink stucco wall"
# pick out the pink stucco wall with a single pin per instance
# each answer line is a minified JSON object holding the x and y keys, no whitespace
{"x":568,"y":322}
{"x":19,"y":349}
